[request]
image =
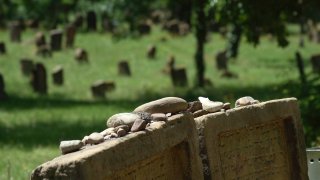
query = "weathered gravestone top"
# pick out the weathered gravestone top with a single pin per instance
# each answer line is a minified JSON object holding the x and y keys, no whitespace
{"x":166,"y":152}
{"x":262,"y":141}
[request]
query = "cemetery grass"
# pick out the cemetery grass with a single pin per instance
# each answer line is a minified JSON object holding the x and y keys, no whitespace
{"x":31,"y":125}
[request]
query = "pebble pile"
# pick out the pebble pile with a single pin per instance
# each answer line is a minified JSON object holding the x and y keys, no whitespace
{"x":152,"y":115}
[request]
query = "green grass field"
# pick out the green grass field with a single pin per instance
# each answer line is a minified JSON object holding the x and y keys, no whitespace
{"x":31,"y":125}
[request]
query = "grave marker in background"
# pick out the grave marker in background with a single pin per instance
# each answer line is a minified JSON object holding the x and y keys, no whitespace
{"x":91,"y":21}
{"x":3,"y":94}
{"x":2,"y":48}
{"x":100,"y":87}
{"x":123,"y":68}
{"x":315,"y":62}
{"x":56,"y":39}
{"x":179,"y":77}
{"x":57,"y":75}
{"x":15,"y":31}
{"x":70,"y":35}
{"x":39,"y":79}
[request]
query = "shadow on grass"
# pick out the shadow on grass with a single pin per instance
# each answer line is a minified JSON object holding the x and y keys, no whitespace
{"x":50,"y":133}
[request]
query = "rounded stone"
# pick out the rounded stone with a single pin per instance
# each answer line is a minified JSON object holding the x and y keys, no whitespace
{"x":226,"y":106}
{"x":122,"y":119}
{"x":139,"y":125}
{"x":156,"y":125}
{"x":70,"y":146}
{"x":245,"y":101}
{"x":94,"y":138}
{"x":107,"y":131}
{"x":159,"y":117}
{"x":210,"y":106}
{"x":164,"y":105}
{"x":121,"y":132}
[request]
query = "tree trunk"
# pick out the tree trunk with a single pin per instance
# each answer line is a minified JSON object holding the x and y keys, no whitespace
{"x":234,"y":41}
{"x":200,"y":36}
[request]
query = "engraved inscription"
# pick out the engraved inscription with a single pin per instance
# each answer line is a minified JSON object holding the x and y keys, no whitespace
{"x":170,"y":164}
{"x":254,"y":152}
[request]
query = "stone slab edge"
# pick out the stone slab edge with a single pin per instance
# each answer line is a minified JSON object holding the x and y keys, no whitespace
{"x":282,"y":107}
{"x":116,"y":154}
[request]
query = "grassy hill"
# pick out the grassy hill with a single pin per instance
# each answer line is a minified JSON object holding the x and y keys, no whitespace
{"x":31,"y":125}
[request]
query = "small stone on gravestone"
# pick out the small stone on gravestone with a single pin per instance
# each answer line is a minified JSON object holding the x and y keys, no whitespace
{"x":121,"y":132}
{"x":39,"y":79}
{"x":2,"y":48}
{"x":26,"y":66}
{"x":245,"y":101}
{"x":91,"y":21}
{"x":315,"y":62}
{"x":100,"y":87}
{"x":138,"y":125}
{"x":15,"y":32}
{"x":152,"y":50}
{"x":70,"y":146}
{"x":179,"y":77}
{"x":124,"y":127}
{"x":123,"y":68}
{"x":81,"y":55}
{"x":57,"y":75}
{"x":194,"y":106}
{"x":3,"y":94}
{"x":56,"y":39}
{"x":164,"y":105}
{"x":221,"y":60}
{"x":210,"y":106}
{"x":70,"y":35}
{"x":107,"y":131}
{"x":122,"y":119}
{"x":94,"y":138}
{"x":40,"y":39}
{"x":159,"y":117}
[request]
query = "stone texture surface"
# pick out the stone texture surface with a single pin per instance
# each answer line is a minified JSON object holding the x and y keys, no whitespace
{"x":122,"y":119}
{"x":94,"y":138}
{"x":261,"y":141}
{"x":164,"y":105}
{"x":159,"y":117}
{"x":138,"y":125}
{"x":170,"y":152}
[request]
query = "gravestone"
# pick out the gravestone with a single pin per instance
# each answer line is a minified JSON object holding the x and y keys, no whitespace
{"x":168,"y":151}
{"x":3,"y":94}
{"x":78,"y":21}
{"x":222,"y":60}
{"x":56,"y":39}
{"x":151,"y":53}
{"x":315,"y":62}
{"x":123,"y":68}
{"x":32,"y":23}
{"x":107,"y":23}
{"x":26,"y":66}
{"x":179,"y":77}
{"x":261,"y":141}
{"x":44,"y":51}
{"x":91,"y":21}
{"x":70,"y":35}
{"x":144,"y":28}
{"x":100,"y":87}
{"x":169,"y":65}
{"x":15,"y":31}
{"x":81,"y":55}
{"x":172,"y":26}
{"x":39,"y":79}
{"x":2,"y":48}
{"x":57,"y":75}
{"x":40,"y":39}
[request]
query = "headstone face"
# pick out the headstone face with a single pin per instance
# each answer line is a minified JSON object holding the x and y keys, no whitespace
{"x":81,"y":55}
{"x":70,"y":35}
{"x":152,"y":50}
{"x":123,"y":68}
{"x":2,"y":48}
{"x":315,"y":62}
{"x":100,"y":87}
{"x":40,"y":39}
{"x":26,"y":66}
{"x":222,"y":60}
{"x":56,"y":39}
{"x":57,"y":75}
{"x":91,"y":21}
{"x":39,"y":79}
{"x":15,"y":32}
{"x":179,"y":77}
{"x":3,"y":94}
{"x":261,"y":141}
{"x":164,"y":152}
